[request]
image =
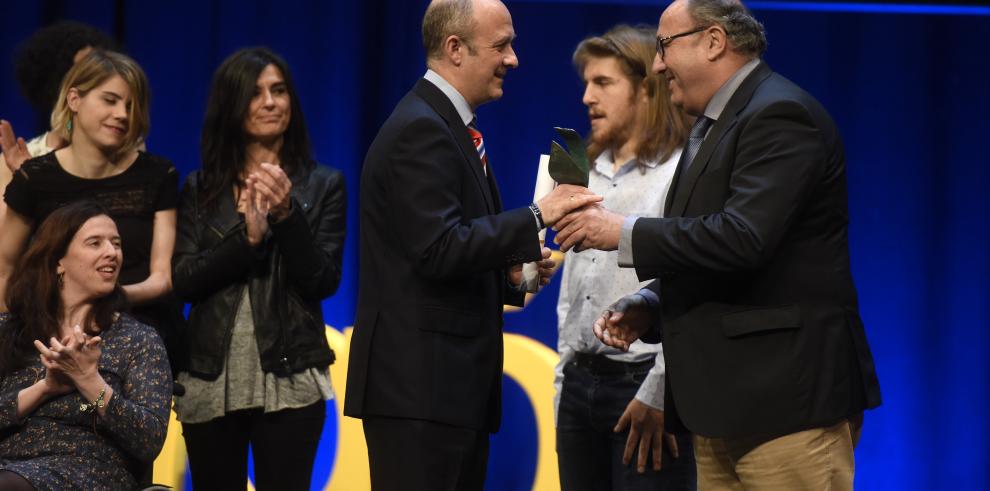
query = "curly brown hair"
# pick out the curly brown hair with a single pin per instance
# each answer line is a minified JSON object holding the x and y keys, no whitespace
{"x":45,"y":57}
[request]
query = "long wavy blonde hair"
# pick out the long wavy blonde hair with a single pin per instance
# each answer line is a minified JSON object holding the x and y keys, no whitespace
{"x":634,"y":48}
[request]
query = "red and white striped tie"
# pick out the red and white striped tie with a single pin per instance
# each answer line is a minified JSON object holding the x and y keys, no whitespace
{"x":479,"y":145}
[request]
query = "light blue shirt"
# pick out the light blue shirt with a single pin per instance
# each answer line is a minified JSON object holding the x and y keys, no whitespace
{"x":592,"y":279}
{"x":460,"y":103}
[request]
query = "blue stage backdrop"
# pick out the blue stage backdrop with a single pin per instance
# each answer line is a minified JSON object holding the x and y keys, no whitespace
{"x":906,"y":84}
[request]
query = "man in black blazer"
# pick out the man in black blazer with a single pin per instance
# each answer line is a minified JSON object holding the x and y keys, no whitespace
{"x":438,"y":260}
{"x":767,"y":359}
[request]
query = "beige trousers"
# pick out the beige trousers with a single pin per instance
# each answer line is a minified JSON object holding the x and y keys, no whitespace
{"x":815,"y":459}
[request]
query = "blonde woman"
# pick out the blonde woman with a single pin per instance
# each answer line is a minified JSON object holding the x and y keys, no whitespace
{"x":102,"y":114}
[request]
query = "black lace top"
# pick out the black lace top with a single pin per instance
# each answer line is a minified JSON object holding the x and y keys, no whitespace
{"x":132,"y":197}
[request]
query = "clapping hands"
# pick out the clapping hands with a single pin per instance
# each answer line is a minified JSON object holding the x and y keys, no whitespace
{"x":266,"y":192}
{"x":70,"y":360}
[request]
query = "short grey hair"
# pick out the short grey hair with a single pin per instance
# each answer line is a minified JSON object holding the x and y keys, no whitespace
{"x":746,"y":34}
{"x":446,"y":18}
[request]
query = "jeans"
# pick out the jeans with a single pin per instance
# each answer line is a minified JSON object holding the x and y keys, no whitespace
{"x":589,"y":453}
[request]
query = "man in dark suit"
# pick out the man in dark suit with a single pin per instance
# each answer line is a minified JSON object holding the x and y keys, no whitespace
{"x":438,"y":259}
{"x":767,"y":359}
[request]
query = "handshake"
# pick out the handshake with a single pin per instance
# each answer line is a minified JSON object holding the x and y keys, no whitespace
{"x":581,"y":222}
{"x":576,"y":215}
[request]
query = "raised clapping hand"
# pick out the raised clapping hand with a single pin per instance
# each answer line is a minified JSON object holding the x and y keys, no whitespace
{"x":15,"y":150}
{"x":55,"y":382}
{"x":591,"y":227}
{"x":624,"y":322}
{"x":273,"y":186}
{"x":255,"y":212}
{"x":76,"y":356}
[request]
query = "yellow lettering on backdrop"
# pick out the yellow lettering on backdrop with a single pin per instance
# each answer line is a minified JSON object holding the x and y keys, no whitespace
{"x":527,"y":361}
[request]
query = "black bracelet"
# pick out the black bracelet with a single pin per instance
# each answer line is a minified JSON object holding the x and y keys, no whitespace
{"x":539,"y":216}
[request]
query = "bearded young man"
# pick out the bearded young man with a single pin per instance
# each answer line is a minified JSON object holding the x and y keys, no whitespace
{"x":610,"y":403}
{"x":768,"y":363}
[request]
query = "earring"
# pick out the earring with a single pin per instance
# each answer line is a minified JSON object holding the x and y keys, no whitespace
{"x":68,"y":126}
{"x":60,"y":277}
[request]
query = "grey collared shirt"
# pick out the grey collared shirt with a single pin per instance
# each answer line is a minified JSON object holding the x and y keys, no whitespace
{"x":467,"y":116}
{"x":460,"y":103}
{"x":592,"y":280}
{"x":713,"y":110}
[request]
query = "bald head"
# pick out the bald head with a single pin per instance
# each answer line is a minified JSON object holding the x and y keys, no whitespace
{"x":445,"y":18}
{"x":469,"y":44}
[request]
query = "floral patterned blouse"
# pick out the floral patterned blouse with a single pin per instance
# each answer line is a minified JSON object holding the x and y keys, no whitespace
{"x":57,"y":447}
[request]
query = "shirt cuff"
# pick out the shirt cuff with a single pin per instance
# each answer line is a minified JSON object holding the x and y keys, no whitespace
{"x":651,"y":391}
{"x":652,"y":299}
{"x":625,"y":242}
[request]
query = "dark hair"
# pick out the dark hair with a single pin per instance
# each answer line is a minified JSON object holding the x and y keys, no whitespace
{"x":224,"y":142}
{"x":33,"y":297}
{"x":45,"y":57}
{"x":746,"y":34}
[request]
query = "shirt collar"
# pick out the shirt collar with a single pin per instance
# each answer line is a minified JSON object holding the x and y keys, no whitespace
{"x":460,"y":103}
{"x":604,"y":162}
{"x":718,"y":102}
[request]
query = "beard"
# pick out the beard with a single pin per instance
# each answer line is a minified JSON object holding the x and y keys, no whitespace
{"x":610,"y":137}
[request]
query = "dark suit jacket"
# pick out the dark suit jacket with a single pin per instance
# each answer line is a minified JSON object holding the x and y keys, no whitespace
{"x":435,"y":246}
{"x":761,"y":327}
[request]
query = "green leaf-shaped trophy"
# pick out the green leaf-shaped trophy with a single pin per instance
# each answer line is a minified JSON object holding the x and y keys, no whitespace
{"x":569,"y":167}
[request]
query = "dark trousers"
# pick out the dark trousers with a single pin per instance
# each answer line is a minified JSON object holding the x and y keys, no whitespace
{"x":589,"y":453}
{"x":283,"y":444}
{"x":413,"y":455}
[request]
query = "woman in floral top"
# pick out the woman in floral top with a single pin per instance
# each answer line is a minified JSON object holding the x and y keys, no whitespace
{"x":84,"y":389}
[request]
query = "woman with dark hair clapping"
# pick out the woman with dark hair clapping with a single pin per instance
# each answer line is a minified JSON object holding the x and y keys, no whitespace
{"x":259,"y":246}
{"x":84,"y":389}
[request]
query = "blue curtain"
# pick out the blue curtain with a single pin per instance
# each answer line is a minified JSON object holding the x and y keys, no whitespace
{"x":908,"y":91}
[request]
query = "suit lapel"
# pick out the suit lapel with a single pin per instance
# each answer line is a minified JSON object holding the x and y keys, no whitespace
{"x":442,"y":105}
{"x":493,"y":187}
{"x":676,"y":205}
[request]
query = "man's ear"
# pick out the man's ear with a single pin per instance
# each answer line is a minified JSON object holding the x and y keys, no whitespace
{"x":718,"y":42}
{"x":454,"y":48}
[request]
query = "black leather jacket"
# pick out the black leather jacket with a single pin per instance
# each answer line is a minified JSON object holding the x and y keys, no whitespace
{"x":297,"y":266}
